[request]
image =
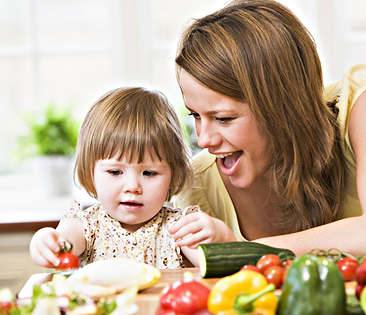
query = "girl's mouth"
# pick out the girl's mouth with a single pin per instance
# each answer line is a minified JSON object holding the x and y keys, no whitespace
{"x":228,"y":163}
{"x":131,"y":203}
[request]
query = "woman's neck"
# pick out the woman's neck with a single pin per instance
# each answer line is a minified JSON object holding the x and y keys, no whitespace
{"x":257,"y":208}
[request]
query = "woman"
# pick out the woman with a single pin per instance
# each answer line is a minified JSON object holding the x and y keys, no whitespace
{"x":285,"y":159}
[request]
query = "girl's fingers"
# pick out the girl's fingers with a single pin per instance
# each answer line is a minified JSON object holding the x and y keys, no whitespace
{"x":189,"y":218}
{"x":53,"y":244}
{"x":51,"y":257}
{"x":191,"y":240}
{"x":42,"y":260}
{"x":191,"y":228}
{"x":47,"y":252}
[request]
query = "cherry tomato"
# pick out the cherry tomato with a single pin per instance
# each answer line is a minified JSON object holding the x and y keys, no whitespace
{"x":348,"y":266}
{"x":68,"y":260}
{"x":274,"y":274}
{"x":267,"y":261}
{"x":361,"y":273}
{"x":250,"y":267}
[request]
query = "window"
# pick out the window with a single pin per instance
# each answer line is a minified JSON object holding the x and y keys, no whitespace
{"x":73,"y":51}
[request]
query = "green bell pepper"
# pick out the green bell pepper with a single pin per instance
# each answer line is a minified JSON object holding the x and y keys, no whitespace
{"x":313,"y":286}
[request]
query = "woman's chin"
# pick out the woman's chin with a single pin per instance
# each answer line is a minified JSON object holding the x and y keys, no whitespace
{"x":240,"y":182}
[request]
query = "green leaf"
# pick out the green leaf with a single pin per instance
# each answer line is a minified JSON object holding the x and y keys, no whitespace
{"x":107,"y":307}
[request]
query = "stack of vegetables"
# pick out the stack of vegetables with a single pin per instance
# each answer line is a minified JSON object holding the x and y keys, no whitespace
{"x":261,"y":280}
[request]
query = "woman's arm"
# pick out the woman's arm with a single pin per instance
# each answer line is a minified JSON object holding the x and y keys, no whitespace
{"x":348,"y":234}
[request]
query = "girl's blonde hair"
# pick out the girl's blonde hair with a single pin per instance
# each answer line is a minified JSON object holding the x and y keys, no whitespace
{"x":258,"y":52}
{"x":131,"y":122}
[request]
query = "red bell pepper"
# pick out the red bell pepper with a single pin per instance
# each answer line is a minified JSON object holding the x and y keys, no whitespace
{"x":184,"y":297}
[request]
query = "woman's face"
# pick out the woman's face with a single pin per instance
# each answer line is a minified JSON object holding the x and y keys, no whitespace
{"x":227,"y":128}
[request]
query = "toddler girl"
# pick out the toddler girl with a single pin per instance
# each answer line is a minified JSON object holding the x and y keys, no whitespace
{"x":130,"y":157}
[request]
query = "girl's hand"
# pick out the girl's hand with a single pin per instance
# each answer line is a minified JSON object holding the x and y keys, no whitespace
{"x":44,"y":247}
{"x":199,"y":227}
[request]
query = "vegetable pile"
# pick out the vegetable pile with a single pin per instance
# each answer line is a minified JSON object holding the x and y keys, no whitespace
{"x":321,"y":282}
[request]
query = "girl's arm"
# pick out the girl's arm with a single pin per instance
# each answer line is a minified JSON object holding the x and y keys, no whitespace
{"x":72,"y":230}
{"x":348,"y":234}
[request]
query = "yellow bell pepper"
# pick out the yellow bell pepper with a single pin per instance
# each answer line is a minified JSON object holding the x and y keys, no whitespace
{"x":245,"y":292}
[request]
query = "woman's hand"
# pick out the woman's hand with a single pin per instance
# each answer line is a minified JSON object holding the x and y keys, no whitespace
{"x":199,"y":227}
{"x":44,"y":247}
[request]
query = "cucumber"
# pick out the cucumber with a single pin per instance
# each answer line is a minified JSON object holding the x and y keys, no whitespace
{"x":223,"y":259}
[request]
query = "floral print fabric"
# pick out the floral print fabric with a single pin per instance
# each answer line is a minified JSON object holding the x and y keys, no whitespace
{"x":151,"y":244}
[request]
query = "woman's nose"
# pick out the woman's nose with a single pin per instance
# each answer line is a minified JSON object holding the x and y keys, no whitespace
{"x":207,"y":136}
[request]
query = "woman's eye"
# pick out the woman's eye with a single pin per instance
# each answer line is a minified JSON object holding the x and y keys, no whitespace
{"x":195,"y":115}
{"x":224,"y":119}
{"x":149,"y":173}
{"x":115,"y":172}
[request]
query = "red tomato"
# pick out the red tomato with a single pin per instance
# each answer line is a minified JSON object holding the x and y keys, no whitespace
{"x":359,"y":288}
{"x":183,"y":297}
{"x":267,"y":261}
{"x":274,"y":274}
{"x":68,"y":260}
{"x":361,"y":273}
{"x":250,"y":267}
{"x":348,"y":266}
{"x":5,"y":305}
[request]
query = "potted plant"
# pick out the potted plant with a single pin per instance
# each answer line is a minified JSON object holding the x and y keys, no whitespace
{"x":51,"y":141}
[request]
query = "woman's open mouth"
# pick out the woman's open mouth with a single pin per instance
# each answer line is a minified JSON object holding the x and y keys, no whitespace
{"x":228,"y":163}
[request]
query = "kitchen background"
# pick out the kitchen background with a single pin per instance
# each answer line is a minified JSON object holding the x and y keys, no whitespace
{"x":70,"y":52}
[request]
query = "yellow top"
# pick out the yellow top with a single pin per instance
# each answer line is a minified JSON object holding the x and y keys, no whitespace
{"x":209,"y":192}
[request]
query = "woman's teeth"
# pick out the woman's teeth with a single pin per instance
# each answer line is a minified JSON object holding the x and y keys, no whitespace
{"x":221,"y":156}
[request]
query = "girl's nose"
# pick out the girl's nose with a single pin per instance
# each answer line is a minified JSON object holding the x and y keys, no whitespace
{"x":133,"y":186}
{"x":207,"y":136}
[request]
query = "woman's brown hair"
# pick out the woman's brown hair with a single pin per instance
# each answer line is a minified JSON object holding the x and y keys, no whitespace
{"x":131,"y":122}
{"x":258,"y":52}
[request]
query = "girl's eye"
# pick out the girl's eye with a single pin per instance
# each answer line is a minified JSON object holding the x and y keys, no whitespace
{"x":115,"y":172}
{"x":195,"y":115}
{"x":149,"y":173}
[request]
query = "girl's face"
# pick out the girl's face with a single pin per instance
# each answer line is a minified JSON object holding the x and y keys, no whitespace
{"x":227,"y":128}
{"x":132,"y":193}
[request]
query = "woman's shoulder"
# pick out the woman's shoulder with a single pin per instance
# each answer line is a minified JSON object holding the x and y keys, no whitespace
{"x":350,"y":87}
